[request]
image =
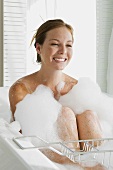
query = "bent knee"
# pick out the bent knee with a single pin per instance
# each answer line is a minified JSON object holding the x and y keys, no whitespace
{"x":67,"y":112}
{"x":87,"y":114}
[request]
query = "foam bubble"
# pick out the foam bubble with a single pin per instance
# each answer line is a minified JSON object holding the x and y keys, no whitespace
{"x":87,"y":95}
{"x":60,"y":86}
{"x":37,"y":114}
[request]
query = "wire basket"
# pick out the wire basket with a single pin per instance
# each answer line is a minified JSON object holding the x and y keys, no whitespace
{"x":90,"y":152}
{"x":85,"y":152}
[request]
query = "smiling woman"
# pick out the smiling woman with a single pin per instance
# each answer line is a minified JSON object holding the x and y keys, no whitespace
{"x":53,"y":43}
{"x":21,"y":19}
{"x":56,"y":49}
{"x":84,"y":53}
{"x":48,"y":118}
{"x":56,"y":40}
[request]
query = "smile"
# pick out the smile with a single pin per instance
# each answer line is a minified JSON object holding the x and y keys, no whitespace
{"x":60,"y":59}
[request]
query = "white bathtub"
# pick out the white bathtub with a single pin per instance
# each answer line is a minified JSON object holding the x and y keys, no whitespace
{"x":11,"y":156}
{"x":14,"y":158}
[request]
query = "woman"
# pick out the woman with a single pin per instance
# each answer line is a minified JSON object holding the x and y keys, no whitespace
{"x":53,"y":43}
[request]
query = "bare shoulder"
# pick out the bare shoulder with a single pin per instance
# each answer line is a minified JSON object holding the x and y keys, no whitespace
{"x":16,"y":93}
{"x":69,"y":83}
{"x":18,"y":89}
{"x":70,"y":80}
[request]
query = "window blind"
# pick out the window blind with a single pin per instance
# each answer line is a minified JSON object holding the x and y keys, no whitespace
{"x":104,"y":28}
{"x":14,"y":40}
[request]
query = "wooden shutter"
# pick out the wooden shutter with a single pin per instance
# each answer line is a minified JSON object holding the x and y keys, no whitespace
{"x":14,"y":37}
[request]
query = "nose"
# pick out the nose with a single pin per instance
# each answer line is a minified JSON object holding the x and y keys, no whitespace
{"x":62,"y":49}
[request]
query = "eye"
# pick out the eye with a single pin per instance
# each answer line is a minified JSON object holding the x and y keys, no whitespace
{"x":69,"y":45}
{"x":55,"y":44}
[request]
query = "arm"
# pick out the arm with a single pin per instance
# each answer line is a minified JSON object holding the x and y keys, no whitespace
{"x":16,"y":93}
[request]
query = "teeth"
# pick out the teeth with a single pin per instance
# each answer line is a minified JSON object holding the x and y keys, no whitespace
{"x":59,"y":59}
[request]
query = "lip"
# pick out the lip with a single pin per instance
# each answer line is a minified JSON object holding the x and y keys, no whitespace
{"x":59,"y":59}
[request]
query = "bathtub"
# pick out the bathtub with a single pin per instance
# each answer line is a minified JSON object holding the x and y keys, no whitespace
{"x":11,"y":155}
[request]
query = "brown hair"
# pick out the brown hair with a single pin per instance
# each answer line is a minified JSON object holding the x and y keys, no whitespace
{"x":40,"y":34}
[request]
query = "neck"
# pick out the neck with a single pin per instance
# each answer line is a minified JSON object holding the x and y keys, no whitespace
{"x":50,"y":78}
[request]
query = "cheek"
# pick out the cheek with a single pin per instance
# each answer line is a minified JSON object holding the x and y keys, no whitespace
{"x":49,"y":50}
{"x":46,"y":53}
{"x":70,"y":53}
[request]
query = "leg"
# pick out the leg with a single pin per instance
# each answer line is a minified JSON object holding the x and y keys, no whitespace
{"x":97,"y":167}
{"x":67,"y":130}
{"x":66,"y":125}
{"x":56,"y":157}
{"x":88,"y":126}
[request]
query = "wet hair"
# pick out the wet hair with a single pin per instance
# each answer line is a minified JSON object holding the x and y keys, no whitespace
{"x":41,"y":32}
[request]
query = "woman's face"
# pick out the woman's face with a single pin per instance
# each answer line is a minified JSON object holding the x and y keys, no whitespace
{"x":56,"y":50}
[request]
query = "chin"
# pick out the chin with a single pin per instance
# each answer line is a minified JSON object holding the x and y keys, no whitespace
{"x":60,"y":68}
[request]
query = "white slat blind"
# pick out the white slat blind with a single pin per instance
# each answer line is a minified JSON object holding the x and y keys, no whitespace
{"x":104,"y":28}
{"x":14,"y":38}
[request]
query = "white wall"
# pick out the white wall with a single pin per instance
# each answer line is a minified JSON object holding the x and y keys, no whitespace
{"x":82,"y":16}
{"x":104,"y":30}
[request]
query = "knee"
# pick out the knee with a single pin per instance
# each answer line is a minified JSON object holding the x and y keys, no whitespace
{"x":67,"y":113}
{"x":89,"y":117}
{"x":87,"y":114}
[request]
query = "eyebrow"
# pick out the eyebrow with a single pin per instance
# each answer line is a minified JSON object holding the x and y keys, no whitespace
{"x":58,"y":40}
